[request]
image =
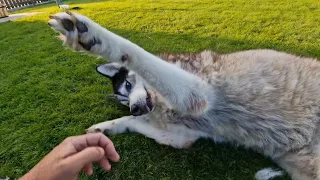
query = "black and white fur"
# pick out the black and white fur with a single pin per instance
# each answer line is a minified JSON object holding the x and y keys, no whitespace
{"x":128,"y":88}
{"x":265,"y":100}
{"x":121,"y":77}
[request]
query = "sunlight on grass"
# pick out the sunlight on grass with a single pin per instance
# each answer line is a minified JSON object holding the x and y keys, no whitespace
{"x":48,"y":93}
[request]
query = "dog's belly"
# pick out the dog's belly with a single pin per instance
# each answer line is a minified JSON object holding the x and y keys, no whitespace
{"x":268,"y":100}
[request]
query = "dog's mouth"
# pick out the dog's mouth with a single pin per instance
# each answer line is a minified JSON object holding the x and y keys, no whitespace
{"x":136,"y":110}
{"x":142,"y":108}
{"x":149,"y":103}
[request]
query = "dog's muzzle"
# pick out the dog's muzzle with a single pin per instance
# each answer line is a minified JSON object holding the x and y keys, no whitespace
{"x":142,"y":108}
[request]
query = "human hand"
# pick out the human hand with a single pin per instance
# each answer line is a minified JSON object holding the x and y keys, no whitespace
{"x":74,"y":154}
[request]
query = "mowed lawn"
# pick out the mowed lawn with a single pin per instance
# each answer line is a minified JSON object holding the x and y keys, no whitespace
{"x":48,"y":93}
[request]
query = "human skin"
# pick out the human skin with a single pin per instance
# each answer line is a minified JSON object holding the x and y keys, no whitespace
{"x":74,"y":154}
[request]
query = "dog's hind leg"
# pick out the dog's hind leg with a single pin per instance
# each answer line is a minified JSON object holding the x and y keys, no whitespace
{"x":174,"y":135}
{"x":268,"y":174}
{"x":184,"y":91}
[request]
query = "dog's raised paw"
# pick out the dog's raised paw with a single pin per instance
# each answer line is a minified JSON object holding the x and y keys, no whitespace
{"x":108,"y":128}
{"x":77,"y":31}
{"x":98,"y":130}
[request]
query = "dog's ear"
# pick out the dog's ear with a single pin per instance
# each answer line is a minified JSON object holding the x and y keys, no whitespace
{"x":109,"y":69}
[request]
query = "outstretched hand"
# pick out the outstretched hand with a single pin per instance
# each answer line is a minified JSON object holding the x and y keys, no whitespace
{"x":74,"y":154}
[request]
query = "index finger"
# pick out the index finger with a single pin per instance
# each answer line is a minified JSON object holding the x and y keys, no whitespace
{"x":96,"y":139}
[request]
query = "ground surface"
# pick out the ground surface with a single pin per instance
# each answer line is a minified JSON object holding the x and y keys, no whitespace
{"x":13,"y":17}
{"x":48,"y":93}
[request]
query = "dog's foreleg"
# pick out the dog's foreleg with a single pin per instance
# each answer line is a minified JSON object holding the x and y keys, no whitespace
{"x":175,"y":136}
{"x":182,"y":90}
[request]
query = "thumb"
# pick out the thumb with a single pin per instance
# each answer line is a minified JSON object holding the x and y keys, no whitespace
{"x":86,"y":156}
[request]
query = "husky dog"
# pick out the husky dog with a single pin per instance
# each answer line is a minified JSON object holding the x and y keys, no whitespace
{"x":265,"y":100}
{"x":121,"y":79}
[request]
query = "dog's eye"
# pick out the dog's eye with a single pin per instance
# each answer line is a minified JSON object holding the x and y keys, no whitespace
{"x":128,"y":86}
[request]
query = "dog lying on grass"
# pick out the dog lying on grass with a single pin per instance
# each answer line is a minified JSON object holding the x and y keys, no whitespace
{"x":265,"y":100}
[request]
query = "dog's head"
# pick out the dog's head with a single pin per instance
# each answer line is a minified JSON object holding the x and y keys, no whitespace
{"x":128,"y":88}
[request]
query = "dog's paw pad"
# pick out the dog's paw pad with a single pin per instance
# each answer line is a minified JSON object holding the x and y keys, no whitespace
{"x":82,"y":28}
{"x":64,"y":22}
{"x":67,"y":24}
{"x":75,"y":30}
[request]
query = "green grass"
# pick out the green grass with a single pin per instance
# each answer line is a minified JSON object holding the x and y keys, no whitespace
{"x":48,"y":93}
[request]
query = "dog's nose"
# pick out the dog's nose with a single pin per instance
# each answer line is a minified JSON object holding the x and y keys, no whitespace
{"x":138,"y":110}
{"x":135,"y":110}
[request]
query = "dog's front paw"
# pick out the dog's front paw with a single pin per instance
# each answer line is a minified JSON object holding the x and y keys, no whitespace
{"x":77,"y":31}
{"x":108,"y":128}
{"x":93,"y":129}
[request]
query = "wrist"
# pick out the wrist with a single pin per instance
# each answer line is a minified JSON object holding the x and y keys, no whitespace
{"x":28,"y":176}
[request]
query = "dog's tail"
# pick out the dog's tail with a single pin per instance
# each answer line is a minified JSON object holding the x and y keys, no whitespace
{"x":268,"y":174}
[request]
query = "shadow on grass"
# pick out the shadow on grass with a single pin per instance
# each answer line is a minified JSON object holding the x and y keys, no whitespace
{"x":160,"y":42}
{"x":56,"y":93}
